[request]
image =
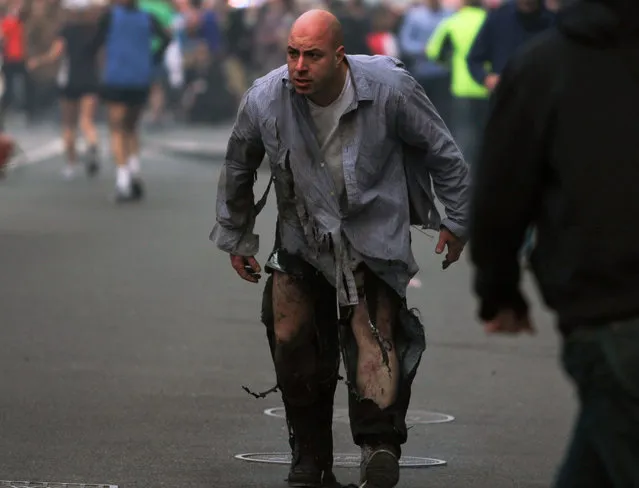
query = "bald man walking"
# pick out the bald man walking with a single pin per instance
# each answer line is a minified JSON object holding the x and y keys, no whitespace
{"x":354,"y":145}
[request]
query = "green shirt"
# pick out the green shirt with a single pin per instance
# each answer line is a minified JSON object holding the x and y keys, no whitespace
{"x":163,"y":11}
{"x":460,"y":30}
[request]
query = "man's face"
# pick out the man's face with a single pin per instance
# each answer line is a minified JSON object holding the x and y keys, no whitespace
{"x":313,"y":62}
{"x":528,"y":6}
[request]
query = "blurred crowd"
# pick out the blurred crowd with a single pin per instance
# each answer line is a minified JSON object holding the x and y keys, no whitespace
{"x":219,"y":48}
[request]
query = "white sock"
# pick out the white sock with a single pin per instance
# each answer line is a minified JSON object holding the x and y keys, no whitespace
{"x":134,"y":164}
{"x":123,"y":178}
{"x":68,"y":171}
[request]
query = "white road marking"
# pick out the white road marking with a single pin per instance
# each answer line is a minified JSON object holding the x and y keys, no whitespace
{"x":55,"y":147}
{"x":39,"y":154}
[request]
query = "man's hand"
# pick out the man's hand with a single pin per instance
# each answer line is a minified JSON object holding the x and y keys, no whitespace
{"x":455,"y":246}
{"x":491,"y":82}
{"x":507,"y":322}
{"x":247,"y":267}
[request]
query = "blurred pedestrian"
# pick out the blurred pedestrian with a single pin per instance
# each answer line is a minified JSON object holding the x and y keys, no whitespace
{"x":382,"y":40}
{"x":505,"y":30}
{"x":127,"y":33}
{"x":450,"y":44}
{"x":419,"y":24}
{"x":12,"y":30}
{"x":561,"y":152}
{"x":77,"y":82}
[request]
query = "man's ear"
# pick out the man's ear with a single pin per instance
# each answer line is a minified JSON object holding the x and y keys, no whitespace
{"x":340,"y":53}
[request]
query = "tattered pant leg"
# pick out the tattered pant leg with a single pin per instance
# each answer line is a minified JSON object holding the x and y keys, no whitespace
{"x":328,"y":362}
{"x":307,"y":366}
{"x":269,"y":321}
{"x":370,"y":424}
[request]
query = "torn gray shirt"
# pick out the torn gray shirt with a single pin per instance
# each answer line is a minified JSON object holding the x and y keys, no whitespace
{"x":399,"y":150}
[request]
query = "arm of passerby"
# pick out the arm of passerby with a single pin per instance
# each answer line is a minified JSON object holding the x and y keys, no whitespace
{"x":235,"y":207}
{"x":165,"y":39}
{"x":23,"y":13}
{"x":101,"y":33}
{"x":438,"y":40}
{"x":507,"y":188}
{"x":54,"y":53}
{"x":420,"y":126}
{"x":480,"y":53}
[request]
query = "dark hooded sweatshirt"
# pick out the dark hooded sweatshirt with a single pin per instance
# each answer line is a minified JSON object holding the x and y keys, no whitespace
{"x":561,"y":151}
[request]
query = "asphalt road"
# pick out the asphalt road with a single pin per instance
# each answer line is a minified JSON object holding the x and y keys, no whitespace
{"x":126,"y":339}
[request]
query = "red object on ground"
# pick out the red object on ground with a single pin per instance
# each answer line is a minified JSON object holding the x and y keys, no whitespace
{"x":7,"y":146}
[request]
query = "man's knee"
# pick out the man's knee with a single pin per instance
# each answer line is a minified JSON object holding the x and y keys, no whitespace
{"x":292,"y":308}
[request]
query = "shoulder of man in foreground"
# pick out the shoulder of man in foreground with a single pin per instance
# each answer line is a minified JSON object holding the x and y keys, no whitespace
{"x":266,"y":89}
{"x":435,"y":160}
{"x":384,"y":70}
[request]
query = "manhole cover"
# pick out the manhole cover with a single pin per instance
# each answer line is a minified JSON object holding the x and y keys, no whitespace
{"x":339,"y":460}
{"x":412,"y":417}
{"x":51,"y":484}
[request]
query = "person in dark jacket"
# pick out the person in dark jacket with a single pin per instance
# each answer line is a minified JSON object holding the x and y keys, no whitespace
{"x":565,"y":112}
{"x":504,"y":31}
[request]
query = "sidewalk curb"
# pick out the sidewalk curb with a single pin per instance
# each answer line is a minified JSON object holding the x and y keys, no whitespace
{"x":44,"y":151}
{"x":193,"y":150}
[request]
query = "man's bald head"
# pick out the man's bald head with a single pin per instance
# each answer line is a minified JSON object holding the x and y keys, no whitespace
{"x":319,"y":25}
{"x":315,"y":56}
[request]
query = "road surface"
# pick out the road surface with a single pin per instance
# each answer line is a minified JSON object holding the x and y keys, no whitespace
{"x":126,"y":340}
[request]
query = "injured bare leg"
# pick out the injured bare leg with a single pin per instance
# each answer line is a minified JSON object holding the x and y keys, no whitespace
{"x":377,"y":364}
{"x":292,"y":308}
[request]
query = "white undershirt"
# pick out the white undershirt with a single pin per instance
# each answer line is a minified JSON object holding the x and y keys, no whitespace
{"x":329,"y":135}
{"x":332,"y":139}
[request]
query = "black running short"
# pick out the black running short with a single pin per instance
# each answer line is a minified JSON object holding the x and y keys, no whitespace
{"x":132,"y":97}
{"x":76,"y":92}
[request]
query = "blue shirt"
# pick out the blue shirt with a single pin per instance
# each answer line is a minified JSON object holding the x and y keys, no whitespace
{"x":418,"y":26}
{"x":504,"y":31}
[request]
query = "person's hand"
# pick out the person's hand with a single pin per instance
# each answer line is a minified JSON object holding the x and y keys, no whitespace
{"x":491,"y":81}
{"x":32,"y":64}
{"x":507,"y":322}
{"x":247,"y":267}
{"x":455,"y":246}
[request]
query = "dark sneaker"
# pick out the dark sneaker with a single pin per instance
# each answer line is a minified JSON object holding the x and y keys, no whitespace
{"x":379,"y":467}
{"x":92,"y":164}
{"x":304,"y":472}
{"x":312,"y":448}
{"x":330,"y":481}
{"x":137,"y":188}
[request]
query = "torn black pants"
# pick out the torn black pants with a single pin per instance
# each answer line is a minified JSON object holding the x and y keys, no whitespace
{"x":308,"y":372}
